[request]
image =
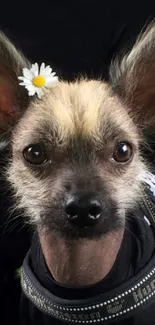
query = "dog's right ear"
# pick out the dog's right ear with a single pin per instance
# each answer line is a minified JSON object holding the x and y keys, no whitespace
{"x":133,"y":79}
{"x":14,"y":99}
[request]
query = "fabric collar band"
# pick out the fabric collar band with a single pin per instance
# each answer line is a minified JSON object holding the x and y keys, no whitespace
{"x":126,"y":300}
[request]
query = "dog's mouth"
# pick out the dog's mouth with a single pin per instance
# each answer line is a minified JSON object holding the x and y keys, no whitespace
{"x":82,"y":229}
{"x":89,"y":226}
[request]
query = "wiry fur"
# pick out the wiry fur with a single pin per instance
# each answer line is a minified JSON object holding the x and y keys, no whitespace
{"x":132,"y":78}
{"x":78,"y":125}
{"x":79,"y":146}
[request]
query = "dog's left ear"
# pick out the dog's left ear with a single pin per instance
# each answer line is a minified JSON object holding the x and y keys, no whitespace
{"x":133,"y":79}
{"x":14,"y":99}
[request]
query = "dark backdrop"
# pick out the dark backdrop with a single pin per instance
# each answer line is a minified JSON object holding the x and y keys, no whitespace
{"x":74,"y":37}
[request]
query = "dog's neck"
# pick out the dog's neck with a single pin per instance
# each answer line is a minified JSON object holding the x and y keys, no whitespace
{"x":83,"y":262}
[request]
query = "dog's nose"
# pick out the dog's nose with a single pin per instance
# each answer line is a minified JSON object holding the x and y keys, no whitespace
{"x":83,"y":212}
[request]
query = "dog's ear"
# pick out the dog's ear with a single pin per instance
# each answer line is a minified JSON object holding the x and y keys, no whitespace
{"x":13,"y":98}
{"x":133,"y":79}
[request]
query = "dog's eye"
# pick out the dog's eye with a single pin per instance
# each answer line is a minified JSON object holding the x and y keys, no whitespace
{"x":34,"y":154}
{"x":123,"y":152}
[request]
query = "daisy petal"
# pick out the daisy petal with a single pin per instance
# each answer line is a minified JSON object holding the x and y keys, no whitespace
{"x":27,"y":82}
{"x":51,"y":81}
{"x":35,"y":69}
{"x":42,"y":68}
{"x":22,"y":84}
{"x":29,"y":87}
{"x":31,"y":92}
{"x":27,"y":74}
{"x":47,"y":71}
{"x":39,"y":92}
{"x":50,"y":74}
{"x":53,"y":74}
{"x":21,"y":78}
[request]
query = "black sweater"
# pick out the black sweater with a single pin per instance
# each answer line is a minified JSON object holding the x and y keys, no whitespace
{"x":137,"y":254}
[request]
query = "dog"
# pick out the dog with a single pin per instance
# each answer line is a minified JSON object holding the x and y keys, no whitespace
{"x":76,"y":164}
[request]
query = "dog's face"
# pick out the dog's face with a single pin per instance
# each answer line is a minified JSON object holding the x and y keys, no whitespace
{"x":76,"y":160}
{"x":75,"y":153}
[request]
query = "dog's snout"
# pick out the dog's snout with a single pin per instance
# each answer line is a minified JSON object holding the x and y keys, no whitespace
{"x":83,"y":212}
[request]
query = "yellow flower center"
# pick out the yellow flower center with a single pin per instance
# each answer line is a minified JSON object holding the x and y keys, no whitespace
{"x":38,"y":81}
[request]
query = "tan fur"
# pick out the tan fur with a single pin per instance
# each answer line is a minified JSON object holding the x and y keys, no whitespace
{"x":69,"y":109}
{"x":80,"y":109}
{"x":79,"y":125}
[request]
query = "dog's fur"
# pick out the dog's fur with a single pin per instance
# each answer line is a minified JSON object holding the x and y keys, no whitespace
{"x":79,"y":125}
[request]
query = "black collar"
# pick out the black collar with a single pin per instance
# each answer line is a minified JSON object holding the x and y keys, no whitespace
{"x":122,"y":302}
{"x":133,"y":286}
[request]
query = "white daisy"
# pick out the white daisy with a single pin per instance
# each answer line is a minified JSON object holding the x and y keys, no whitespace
{"x":35,"y":80}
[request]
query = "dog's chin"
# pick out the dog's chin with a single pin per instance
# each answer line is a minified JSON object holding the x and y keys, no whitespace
{"x":79,"y":255}
{"x":84,"y":257}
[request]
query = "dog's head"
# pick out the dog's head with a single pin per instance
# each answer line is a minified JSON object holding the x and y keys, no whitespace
{"x":76,"y":160}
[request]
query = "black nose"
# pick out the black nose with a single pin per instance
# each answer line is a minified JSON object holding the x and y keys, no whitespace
{"x":83,"y":212}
